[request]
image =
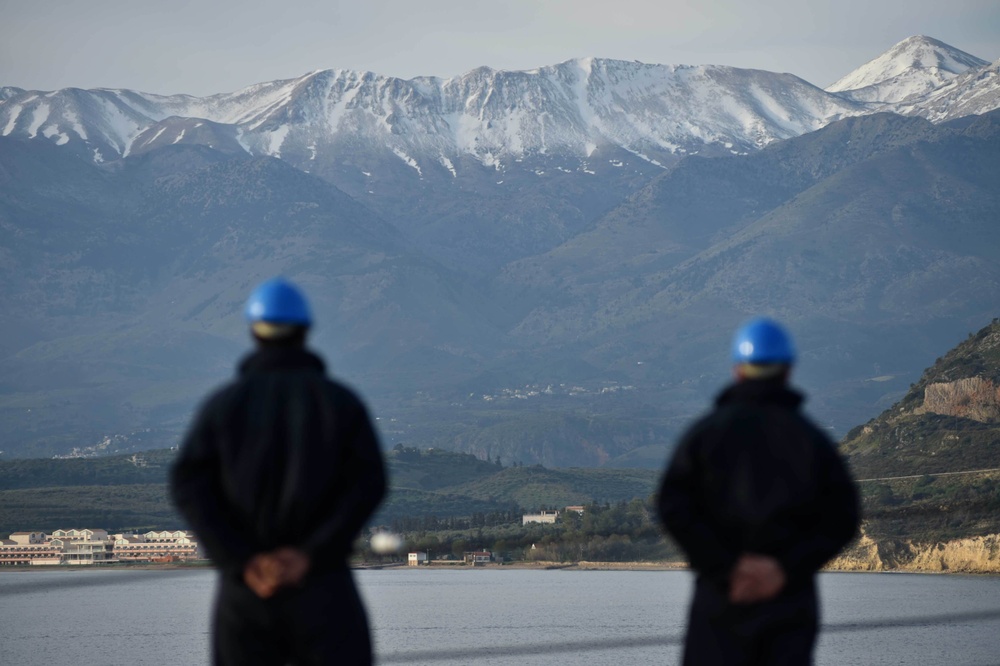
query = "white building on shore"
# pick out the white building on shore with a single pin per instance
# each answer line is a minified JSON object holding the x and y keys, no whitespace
{"x":156,"y":547}
{"x":84,"y":546}
{"x":89,"y":547}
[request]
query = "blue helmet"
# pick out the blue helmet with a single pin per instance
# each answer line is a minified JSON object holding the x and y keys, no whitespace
{"x":763,"y":341}
{"x":278,"y":301}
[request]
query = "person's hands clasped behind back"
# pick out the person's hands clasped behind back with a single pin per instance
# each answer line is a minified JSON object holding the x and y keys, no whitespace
{"x":267,"y":573}
{"x":755,"y":578}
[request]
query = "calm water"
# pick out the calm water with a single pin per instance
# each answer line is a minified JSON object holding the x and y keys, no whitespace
{"x":54,"y":618}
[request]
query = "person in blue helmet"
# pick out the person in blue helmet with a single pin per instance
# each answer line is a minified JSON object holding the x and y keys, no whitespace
{"x":759,"y":499}
{"x":279,"y":471}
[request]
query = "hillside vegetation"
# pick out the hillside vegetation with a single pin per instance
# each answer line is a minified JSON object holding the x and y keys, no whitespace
{"x":562,"y":314}
{"x":949,"y":420}
{"x":930,"y":464}
{"x":129,"y":491}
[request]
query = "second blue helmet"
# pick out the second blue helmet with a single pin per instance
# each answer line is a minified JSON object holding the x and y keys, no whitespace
{"x":278,"y":301}
{"x":763,"y":341}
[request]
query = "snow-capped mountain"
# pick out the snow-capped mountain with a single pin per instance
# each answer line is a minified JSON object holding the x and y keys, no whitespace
{"x":642,"y":112}
{"x":653,"y":111}
{"x":911,"y":69}
{"x":973,"y":93}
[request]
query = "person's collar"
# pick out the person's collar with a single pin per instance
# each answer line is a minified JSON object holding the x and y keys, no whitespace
{"x":772,"y":391}
{"x":269,"y":358}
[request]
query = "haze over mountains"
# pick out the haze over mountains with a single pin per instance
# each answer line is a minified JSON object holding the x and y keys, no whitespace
{"x":540,"y":265}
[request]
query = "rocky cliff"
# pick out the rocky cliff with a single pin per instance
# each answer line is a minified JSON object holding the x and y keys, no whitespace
{"x":980,"y":554}
{"x":973,"y":398}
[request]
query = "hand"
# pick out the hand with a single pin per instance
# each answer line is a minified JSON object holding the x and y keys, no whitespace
{"x":294,"y":565}
{"x":266,"y":573}
{"x":755,"y":578}
{"x":262,"y":575}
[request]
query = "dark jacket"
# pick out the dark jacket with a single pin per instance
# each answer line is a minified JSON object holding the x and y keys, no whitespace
{"x":755,"y":476}
{"x":282,"y":456}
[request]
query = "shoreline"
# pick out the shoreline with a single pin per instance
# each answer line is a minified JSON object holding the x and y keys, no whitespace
{"x":583,"y":565}
{"x":639,"y":566}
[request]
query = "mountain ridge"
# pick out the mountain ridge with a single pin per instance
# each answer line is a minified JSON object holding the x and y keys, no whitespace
{"x":653,"y":112}
{"x":485,"y":112}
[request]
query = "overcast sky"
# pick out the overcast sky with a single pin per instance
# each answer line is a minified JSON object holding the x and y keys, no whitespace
{"x":209,"y":46}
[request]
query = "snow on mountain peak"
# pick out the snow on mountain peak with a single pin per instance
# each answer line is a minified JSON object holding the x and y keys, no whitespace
{"x":655,"y":112}
{"x":571,"y":107}
{"x":912,"y":68}
{"x":975,"y":92}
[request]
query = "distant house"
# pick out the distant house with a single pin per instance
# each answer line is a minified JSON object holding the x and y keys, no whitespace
{"x":578,"y":509}
{"x":540,"y":517}
{"x":416,"y":559}
{"x":478,"y":557}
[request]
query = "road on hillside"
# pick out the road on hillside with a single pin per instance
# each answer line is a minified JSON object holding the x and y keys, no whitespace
{"x":917,"y":476}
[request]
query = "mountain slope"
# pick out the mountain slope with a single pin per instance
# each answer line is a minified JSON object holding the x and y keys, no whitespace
{"x":976,"y":92}
{"x":128,"y":286}
{"x":873,"y":238}
{"x":853,"y":235}
{"x":700,"y":201}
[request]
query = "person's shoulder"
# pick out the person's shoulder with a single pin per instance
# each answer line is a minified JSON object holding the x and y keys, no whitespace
{"x":702,"y":424}
{"x":806,"y":420}
{"x":216,"y":406}
{"x":706,"y":419}
{"x":222,"y":395}
{"x":342,"y":393}
{"x":220,"y":392}
{"x":819,"y":436}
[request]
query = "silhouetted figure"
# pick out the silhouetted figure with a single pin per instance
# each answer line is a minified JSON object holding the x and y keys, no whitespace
{"x":278,"y":473}
{"x":759,"y":500}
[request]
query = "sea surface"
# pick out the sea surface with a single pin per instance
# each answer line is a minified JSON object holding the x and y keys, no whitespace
{"x":494,"y":616}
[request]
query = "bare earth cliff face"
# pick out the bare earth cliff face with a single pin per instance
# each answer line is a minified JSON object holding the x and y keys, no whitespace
{"x":979,"y":554}
{"x":971,"y":398}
